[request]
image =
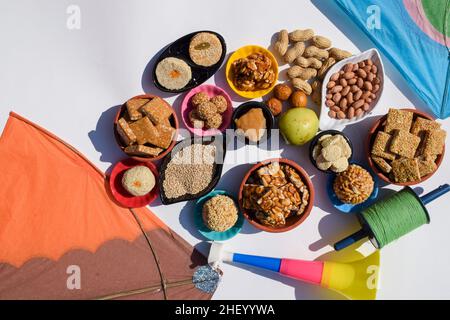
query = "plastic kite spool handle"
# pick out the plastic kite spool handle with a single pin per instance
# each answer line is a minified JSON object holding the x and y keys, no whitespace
{"x":355,"y":237}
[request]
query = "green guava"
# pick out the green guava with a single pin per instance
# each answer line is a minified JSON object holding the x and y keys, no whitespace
{"x":299,"y":125}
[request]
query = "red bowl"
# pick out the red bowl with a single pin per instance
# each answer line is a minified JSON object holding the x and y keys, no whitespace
{"x":173,"y":121}
{"x":377,"y":126}
{"x":118,"y":191}
{"x":291,"y":222}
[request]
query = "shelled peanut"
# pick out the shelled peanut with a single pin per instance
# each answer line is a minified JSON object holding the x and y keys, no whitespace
{"x":352,"y":91}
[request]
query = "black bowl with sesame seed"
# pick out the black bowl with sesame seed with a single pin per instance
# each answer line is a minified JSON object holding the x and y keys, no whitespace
{"x":192,"y":174}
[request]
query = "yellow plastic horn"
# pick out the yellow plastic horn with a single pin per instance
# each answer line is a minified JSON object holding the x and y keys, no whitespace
{"x":356,"y":280}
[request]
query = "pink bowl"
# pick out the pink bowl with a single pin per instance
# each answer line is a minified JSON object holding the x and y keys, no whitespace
{"x":187,"y":107}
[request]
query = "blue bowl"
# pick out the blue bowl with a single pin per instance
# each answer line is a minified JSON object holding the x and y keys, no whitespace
{"x":348,"y":207}
{"x":204,"y":230}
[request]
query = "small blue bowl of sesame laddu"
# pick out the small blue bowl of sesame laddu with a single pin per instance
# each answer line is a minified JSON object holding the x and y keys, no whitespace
{"x":217,"y":216}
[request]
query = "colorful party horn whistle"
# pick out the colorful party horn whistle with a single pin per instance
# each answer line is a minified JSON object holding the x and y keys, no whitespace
{"x":355,"y":280}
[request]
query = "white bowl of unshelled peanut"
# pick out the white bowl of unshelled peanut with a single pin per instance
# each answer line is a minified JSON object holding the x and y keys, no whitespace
{"x":351,"y":90}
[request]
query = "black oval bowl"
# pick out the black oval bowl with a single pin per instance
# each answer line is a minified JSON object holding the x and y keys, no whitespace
{"x":245,"y":107}
{"x":180,"y":49}
{"x":217,"y":171}
{"x":316,"y":139}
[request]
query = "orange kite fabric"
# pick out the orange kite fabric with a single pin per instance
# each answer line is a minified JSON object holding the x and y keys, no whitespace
{"x":63,"y":237}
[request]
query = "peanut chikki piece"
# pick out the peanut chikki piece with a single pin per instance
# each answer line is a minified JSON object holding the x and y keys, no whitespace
{"x":250,"y":195}
{"x":380,"y":147}
{"x":144,"y":130}
{"x":273,"y":219}
{"x":164,"y":136}
{"x":143,"y":151}
{"x":275,"y":198}
{"x":272,"y":175}
{"x":427,"y":165}
{"x":404,"y":144}
{"x":295,"y":179}
{"x":434,"y":142}
{"x":406,"y":170}
{"x":398,"y":120}
{"x":422,"y":124}
{"x":133,"y":107}
{"x":125,"y":132}
{"x":157,"y":110}
{"x":382,"y":164}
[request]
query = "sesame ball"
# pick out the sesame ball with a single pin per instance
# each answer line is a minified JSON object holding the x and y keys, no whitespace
{"x":206,"y":110}
{"x":199,"y":98}
{"x":214,"y":121}
{"x":221,"y":103}
{"x":220,"y":213}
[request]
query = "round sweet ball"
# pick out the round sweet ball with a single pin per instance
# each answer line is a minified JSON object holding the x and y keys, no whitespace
{"x":206,"y":110}
{"x":299,"y":99}
{"x":275,"y":106}
{"x":282,"y":92}
{"x":221,"y":103}
{"x":138,"y":181}
{"x":214,"y":121}
{"x":199,"y":98}
{"x":220,"y":213}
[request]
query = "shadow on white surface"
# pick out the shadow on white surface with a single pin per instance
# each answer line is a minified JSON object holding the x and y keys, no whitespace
{"x":103,"y":139}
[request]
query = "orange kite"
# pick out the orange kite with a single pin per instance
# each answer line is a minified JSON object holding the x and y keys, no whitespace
{"x":63,"y":237}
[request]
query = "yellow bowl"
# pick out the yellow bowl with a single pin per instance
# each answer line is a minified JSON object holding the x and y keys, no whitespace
{"x":243,"y":53}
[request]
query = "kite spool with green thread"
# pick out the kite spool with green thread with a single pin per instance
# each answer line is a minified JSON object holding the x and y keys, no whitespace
{"x":391,"y":218}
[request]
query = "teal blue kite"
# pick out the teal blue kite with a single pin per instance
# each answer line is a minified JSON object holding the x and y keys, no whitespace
{"x":414,"y":35}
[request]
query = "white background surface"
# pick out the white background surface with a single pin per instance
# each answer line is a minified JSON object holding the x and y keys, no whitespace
{"x":69,"y":82}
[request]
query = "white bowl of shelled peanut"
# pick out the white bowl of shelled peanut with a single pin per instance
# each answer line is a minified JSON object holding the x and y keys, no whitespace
{"x":351,"y":90}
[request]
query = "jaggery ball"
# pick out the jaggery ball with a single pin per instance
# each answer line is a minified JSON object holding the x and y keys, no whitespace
{"x":199,"y":98}
{"x":299,"y":99}
{"x":282,"y":92}
{"x":206,"y":110}
{"x":275,"y":105}
{"x":214,"y":121}
{"x":220,"y":102}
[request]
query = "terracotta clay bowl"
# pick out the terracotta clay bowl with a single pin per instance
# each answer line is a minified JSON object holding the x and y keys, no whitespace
{"x":173,"y":120}
{"x":291,"y":222}
{"x":377,"y":126}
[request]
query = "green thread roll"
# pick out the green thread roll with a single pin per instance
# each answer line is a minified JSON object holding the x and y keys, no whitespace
{"x":395,"y":216}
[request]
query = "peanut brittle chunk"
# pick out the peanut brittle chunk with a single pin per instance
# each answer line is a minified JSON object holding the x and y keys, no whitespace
{"x":272,"y":175}
{"x":251,"y":193}
{"x":427,"y":165}
{"x":133,"y":107}
{"x":406,"y":170}
{"x":143,"y":151}
{"x":422,"y":124}
{"x":434,"y":142}
{"x":404,"y":144}
{"x":157,"y":110}
{"x":125,"y":132}
{"x":382,"y":164}
{"x":380,"y":147}
{"x":398,"y":120}
{"x":164,"y":136}
{"x":144,"y":130}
